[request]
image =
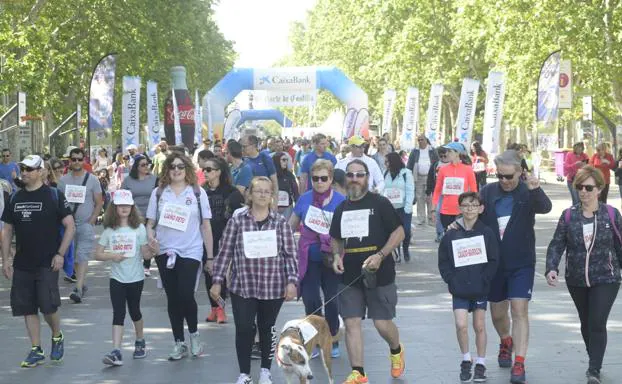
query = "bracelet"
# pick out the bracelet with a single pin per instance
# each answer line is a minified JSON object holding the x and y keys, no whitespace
{"x":382,"y":254}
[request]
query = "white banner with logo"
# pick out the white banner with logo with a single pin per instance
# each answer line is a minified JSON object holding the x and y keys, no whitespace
{"x":153,"y":114}
{"x":466,"y":111}
{"x":293,"y":98}
{"x":587,"y":108}
{"x":493,"y":112}
{"x":411,"y":119}
{"x":285,"y":78}
{"x":565,"y":85}
{"x":387,"y":110}
{"x":198,"y":119}
{"x":130,"y":107}
{"x":176,"y":122}
{"x":21,"y":109}
{"x":433,"y":123}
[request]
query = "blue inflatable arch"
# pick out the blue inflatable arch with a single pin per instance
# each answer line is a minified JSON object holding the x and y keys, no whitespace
{"x":265,"y":114}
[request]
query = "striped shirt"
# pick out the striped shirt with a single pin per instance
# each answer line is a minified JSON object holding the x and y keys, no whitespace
{"x":261,"y":278}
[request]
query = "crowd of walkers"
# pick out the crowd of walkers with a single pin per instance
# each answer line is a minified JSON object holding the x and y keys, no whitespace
{"x":230,"y":212}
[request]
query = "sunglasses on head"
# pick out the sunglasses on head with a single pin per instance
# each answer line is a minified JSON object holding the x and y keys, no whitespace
{"x":181,"y":166}
{"x":501,"y":176}
{"x":318,"y":178}
{"x":76,"y":159}
{"x":27,"y":169}
{"x":588,"y":188}
{"x":358,"y":175}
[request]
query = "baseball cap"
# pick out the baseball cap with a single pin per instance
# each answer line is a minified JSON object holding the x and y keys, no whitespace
{"x":69,"y":149}
{"x":131,"y":146}
{"x":455,"y":147}
{"x":32,"y":161}
{"x":122,"y":197}
{"x":356,"y":140}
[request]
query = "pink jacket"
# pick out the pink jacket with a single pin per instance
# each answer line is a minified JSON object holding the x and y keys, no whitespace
{"x":570,"y":166}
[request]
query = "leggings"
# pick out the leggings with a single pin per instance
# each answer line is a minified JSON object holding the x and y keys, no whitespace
{"x":179,"y":283}
{"x":208,"y":286}
{"x":593,"y":305}
{"x":447,"y":219}
{"x":319,"y":276}
{"x":121,"y":293}
{"x":244,"y":313}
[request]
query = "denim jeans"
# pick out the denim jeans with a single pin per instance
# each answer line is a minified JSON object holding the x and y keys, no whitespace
{"x":317,"y":277}
{"x":574,"y":194}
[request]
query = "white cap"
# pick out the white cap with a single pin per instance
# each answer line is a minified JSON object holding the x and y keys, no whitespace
{"x":122,"y":197}
{"x":131,"y":146}
{"x":69,"y":149}
{"x":32,"y":161}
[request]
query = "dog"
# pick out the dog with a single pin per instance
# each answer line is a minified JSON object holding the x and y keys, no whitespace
{"x":296,"y":342}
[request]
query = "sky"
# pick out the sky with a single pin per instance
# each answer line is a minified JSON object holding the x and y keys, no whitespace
{"x":259,"y":28}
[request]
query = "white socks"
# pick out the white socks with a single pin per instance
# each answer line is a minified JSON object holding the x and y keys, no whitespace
{"x":481,"y":360}
{"x":466,"y":356}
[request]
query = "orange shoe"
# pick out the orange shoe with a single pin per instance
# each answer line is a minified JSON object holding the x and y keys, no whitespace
{"x":397,"y":364}
{"x":221,"y":316}
{"x":356,"y":378}
{"x":212,"y":315}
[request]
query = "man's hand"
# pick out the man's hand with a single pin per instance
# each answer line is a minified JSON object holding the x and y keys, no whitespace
{"x":290,"y":292}
{"x":372,"y":263}
{"x":93,"y":220}
{"x":338,"y":265}
{"x":551,"y":278}
{"x":209,"y":266}
{"x":7,"y":269}
{"x":532,"y":183}
{"x":57,"y":263}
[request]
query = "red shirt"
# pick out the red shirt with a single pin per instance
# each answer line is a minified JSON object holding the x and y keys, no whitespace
{"x":597,"y":162}
{"x":460,"y":173}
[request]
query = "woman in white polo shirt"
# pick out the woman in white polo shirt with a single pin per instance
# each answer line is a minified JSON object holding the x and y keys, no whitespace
{"x":178,"y":218}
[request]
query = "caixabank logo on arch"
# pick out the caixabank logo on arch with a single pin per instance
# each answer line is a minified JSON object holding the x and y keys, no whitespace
{"x":285,"y":78}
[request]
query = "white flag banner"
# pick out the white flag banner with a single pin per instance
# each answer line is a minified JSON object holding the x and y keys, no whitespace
{"x":206,"y":112}
{"x":130,"y":102}
{"x":433,"y":123}
{"x":387,"y":111}
{"x":411,"y":119}
{"x":21,"y":109}
{"x":565,"y":85}
{"x":198,"y":119}
{"x":78,"y":115}
{"x":176,"y":123}
{"x":153,"y":114}
{"x":493,"y":113}
{"x":587,"y":108}
{"x":466,"y":111}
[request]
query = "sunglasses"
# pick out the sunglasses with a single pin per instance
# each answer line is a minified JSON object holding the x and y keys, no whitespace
{"x":588,"y":188}
{"x":501,"y":176}
{"x":181,"y":167}
{"x":27,"y":169}
{"x":318,"y":178}
{"x":76,"y":159}
{"x":143,"y":164}
{"x":357,"y":175}
{"x":209,"y":169}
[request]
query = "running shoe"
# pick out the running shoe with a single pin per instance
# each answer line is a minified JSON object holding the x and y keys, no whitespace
{"x":147,"y":272}
{"x":114,"y":358}
{"x":211,"y":318}
{"x":518,"y":374}
{"x":244,"y":379}
{"x":265,"y":377}
{"x":397,"y":363}
{"x":196,"y":347}
{"x":505,"y":354}
{"x":58,"y":348}
{"x":140,"y":349}
{"x":356,"y":378}
{"x":335,"y":351}
{"x":180,"y":350}
{"x":315,"y":353}
{"x":221,"y":316}
{"x":593,"y":376}
{"x":480,"y":374}
{"x":70,"y":279}
{"x":76,"y":296}
{"x":34,"y":358}
{"x":465,"y":371}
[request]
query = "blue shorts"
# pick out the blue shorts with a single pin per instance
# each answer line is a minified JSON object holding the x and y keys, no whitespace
{"x":512,"y":284}
{"x":469,"y":305}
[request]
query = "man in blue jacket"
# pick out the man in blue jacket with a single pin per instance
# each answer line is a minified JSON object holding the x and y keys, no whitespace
{"x":510,"y":209}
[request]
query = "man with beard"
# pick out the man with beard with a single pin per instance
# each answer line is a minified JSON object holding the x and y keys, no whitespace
{"x":365,"y":229}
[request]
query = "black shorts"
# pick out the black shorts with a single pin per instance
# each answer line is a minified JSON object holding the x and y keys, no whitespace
{"x":33,"y":291}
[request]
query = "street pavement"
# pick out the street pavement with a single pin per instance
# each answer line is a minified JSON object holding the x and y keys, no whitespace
{"x":424,"y":317}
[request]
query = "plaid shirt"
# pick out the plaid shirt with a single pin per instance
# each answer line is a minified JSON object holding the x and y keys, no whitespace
{"x":260,"y":278}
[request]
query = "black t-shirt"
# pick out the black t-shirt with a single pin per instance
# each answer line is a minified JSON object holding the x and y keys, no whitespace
{"x":223,"y":201}
{"x":383,"y":220}
{"x":36,"y":216}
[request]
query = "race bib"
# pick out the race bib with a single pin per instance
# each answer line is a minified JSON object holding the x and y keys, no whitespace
{"x":283,"y":199}
{"x":355,"y":223}
{"x":260,"y":244}
{"x":503,"y":223}
{"x":307,"y":330}
{"x":318,"y":221}
{"x":75,"y":193}
{"x":395,"y":195}
{"x":469,"y":251}
{"x":453,"y":186}
{"x":175,"y":216}
{"x":124,"y":243}
{"x":588,"y":234}
{"x":479,"y":167}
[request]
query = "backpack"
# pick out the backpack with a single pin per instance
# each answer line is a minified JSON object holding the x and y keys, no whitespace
{"x":612,"y":219}
{"x":197,"y":194}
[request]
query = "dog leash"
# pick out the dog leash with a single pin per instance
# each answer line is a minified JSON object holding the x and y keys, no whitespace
{"x":334,"y":297}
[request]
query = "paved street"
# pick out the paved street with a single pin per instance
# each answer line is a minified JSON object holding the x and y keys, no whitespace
{"x":556,"y":353}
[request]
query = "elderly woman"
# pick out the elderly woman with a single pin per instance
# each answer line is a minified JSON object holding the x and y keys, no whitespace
{"x":589,"y":235}
{"x":314,"y":209}
{"x":603,"y":161}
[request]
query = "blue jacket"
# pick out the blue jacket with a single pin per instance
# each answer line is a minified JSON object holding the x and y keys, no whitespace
{"x":518,"y":247}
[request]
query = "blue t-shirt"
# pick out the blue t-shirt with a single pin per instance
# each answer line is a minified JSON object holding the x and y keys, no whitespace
{"x":302,"y":207}
{"x":504,"y":206}
{"x":310,"y":159}
{"x":7,"y":169}
{"x":300,"y":157}
{"x":242,"y":175}
{"x":261,"y":165}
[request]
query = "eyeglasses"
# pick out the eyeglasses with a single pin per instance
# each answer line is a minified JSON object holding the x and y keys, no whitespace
{"x":209,"y":169}
{"x":77,"y":159}
{"x":501,"y":176}
{"x":357,"y":175}
{"x":261,"y":192}
{"x":27,"y":169}
{"x":181,"y":166}
{"x":284,"y":159}
{"x":6,"y":155}
{"x":588,"y":188}
{"x":318,"y":178}
{"x":467,"y":207}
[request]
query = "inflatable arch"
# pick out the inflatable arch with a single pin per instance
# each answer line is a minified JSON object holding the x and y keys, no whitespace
{"x":286,"y":80}
{"x":265,"y":114}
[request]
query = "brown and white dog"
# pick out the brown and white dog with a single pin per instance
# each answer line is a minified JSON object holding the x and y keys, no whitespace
{"x":293,"y":350}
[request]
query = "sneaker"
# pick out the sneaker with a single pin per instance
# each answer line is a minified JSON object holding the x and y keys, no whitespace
{"x":518,"y":374}
{"x":221,"y":316}
{"x":505,"y":354}
{"x":265,"y":377}
{"x":76,"y":296}
{"x":465,"y":371}
{"x":114,"y":358}
{"x":70,"y":279}
{"x":211,"y":318}
{"x":244,"y":379}
{"x":255,"y":352}
{"x":356,"y":378}
{"x":58,"y":348}
{"x":335,"y":352}
{"x":147,"y":272}
{"x":34,"y":358}
{"x":315,"y":352}
{"x":593,"y":376}
{"x":196,"y":347}
{"x":480,"y":373}
{"x":180,"y":350}
{"x":140,"y":349}
{"x":397,"y":363}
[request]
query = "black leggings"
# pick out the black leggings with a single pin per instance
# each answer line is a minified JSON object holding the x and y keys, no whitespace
{"x":446,"y":220}
{"x":208,"y":286}
{"x":121,"y":293}
{"x":179,"y":283}
{"x":593,"y":305}
{"x":244,"y":312}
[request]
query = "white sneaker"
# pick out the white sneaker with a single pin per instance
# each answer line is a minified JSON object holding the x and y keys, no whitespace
{"x":265,"y":377}
{"x":180,"y":350}
{"x":244,"y":379}
{"x":196,"y":347}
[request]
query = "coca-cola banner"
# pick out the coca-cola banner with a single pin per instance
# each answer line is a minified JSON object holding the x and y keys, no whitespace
{"x":411,"y":119}
{"x":387,"y":110}
{"x":433,"y":123}
{"x":130,"y":128}
{"x":466,"y":111}
{"x":101,"y":97}
{"x":153,"y":114}
{"x":179,"y":119}
{"x":493,"y":113}
{"x":198,"y":118}
{"x":176,"y":122}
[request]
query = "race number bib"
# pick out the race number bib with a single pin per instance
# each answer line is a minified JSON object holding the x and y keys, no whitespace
{"x":453,"y":186}
{"x":124,"y":243}
{"x":318,"y":221}
{"x":479,"y":167}
{"x":283,"y":199}
{"x":503,"y":223}
{"x":307,"y":330}
{"x":260,"y":244}
{"x":469,"y":251}
{"x":355,"y":223}
{"x":395,"y":195}
{"x":75,"y":194}
{"x":175,"y":216}
{"x":588,"y":234}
